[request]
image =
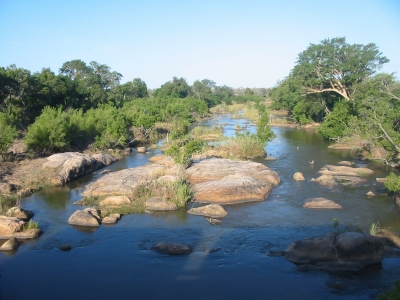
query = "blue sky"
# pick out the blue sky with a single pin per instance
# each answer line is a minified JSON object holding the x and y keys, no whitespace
{"x":235,"y":43}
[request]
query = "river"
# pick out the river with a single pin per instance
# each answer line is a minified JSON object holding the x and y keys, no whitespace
{"x":229,"y":261}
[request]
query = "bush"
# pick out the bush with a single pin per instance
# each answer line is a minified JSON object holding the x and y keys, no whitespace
{"x":393,"y":183}
{"x":182,"y":150}
{"x":264,"y":131}
{"x":7,"y":133}
{"x":245,"y":145}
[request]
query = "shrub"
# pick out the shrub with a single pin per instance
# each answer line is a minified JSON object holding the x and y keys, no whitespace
{"x":182,"y":150}
{"x":245,"y":145}
{"x":7,"y":133}
{"x":393,"y":183}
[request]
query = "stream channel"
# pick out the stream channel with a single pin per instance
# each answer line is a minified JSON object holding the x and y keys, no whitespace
{"x":229,"y":261}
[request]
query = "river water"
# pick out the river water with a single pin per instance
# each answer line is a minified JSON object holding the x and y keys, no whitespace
{"x":229,"y":261}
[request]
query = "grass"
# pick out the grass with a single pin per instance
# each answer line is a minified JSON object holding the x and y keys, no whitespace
{"x":31,"y":225}
{"x":206,"y":133}
{"x":244,"y":146}
{"x":375,"y":229}
{"x":252,"y":114}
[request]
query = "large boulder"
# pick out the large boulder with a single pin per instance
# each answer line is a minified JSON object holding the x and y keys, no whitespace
{"x":156,"y":203}
{"x":115,"y":201}
{"x":20,"y":213}
{"x":346,"y":251}
{"x":9,"y":226}
{"x":71,"y":165}
{"x":172,"y":249}
{"x":83,"y":218}
{"x":226,"y":181}
{"x":124,"y":182}
{"x":321,"y":203}
{"x":210,"y":210}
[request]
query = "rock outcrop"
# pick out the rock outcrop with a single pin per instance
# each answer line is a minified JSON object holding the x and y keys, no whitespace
{"x":210,"y":210}
{"x":83,"y":218}
{"x":71,"y":165}
{"x":344,"y":171}
{"x":346,"y":251}
{"x":216,"y":180}
{"x":9,"y":226}
{"x":321,"y":203}
{"x":344,"y":175}
{"x":172,"y":249}
{"x":125,"y":182}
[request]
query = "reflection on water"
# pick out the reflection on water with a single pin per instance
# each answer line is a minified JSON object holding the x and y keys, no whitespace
{"x":229,"y":260}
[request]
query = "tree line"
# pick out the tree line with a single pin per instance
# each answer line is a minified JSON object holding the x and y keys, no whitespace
{"x":86,"y":105}
{"x":338,"y":85}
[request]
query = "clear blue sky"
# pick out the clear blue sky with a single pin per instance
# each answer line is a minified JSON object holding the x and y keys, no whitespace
{"x":235,"y":43}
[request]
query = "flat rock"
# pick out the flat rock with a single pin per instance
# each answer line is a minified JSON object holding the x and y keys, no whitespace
{"x":124,"y":182}
{"x":270,"y":158}
{"x":156,"y":158}
{"x":321,"y":203}
{"x":211,"y":210}
{"x":71,"y":165}
{"x":226,"y":181}
{"x":346,"y":163}
{"x":115,"y":201}
{"x":326,"y":180}
{"x":172,"y":249}
{"x":28,"y":234}
{"x":11,"y":244}
{"x":9,"y":226}
{"x":298,"y":176}
{"x":20,"y":213}
{"x":83,"y":218}
{"x":346,"y":251}
{"x":156,"y":203}
{"x":109,"y":220}
{"x":344,"y":171}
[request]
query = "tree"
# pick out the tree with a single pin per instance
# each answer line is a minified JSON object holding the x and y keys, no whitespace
{"x":7,"y":134}
{"x":178,"y":88}
{"x":335,"y":66}
{"x":203,"y":89}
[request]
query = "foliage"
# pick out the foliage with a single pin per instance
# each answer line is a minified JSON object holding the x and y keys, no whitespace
{"x":177,"y":88}
{"x":393,"y":294}
{"x":264,"y":131}
{"x":392,"y":183}
{"x":375,"y":229}
{"x":182,"y":150}
{"x":31,"y":225}
{"x":245,"y":145}
{"x":7,"y":133}
{"x":335,"y":124}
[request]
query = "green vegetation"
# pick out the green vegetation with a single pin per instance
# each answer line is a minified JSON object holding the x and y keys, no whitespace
{"x":337,"y":84}
{"x":31,"y":225}
{"x":393,"y":294}
{"x":393,"y":183}
{"x":244,"y":146}
{"x":181,"y":150}
{"x":375,"y":229}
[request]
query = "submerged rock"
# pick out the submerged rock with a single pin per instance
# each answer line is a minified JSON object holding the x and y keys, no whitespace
{"x":346,"y":251}
{"x":344,"y":171}
{"x":172,"y":249}
{"x":71,"y":165}
{"x":11,"y":244}
{"x":156,"y":203}
{"x":211,"y":210}
{"x":65,"y":247}
{"x":216,"y":180}
{"x":321,"y":203}
{"x":83,"y":218}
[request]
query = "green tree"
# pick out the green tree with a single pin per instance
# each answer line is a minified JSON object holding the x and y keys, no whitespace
{"x":178,"y":88}
{"x":7,"y":133}
{"x":264,"y":131}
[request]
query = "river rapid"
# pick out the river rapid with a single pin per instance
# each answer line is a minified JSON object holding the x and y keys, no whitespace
{"x":229,"y":261}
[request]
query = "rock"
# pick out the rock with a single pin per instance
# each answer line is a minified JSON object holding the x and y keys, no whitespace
{"x":216,"y":180}
{"x":326,"y":180}
{"x":349,"y":180}
{"x":28,"y":234}
{"x":105,"y":171}
{"x":381,"y":180}
{"x":20,"y":213}
{"x":11,"y":244}
{"x":73,"y":164}
{"x":156,"y":158}
{"x":213,"y":221}
{"x":346,"y":251}
{"x":124,"y":182}
{"x":298,"y":176}
{"x":95,"y":213}
{"x":9,"y":226}
{"x":117,"y":216}
{"x":270,"y":158}
{"x":156,"y":203}
{"x":65,"y":247}
{"x":370,"y":194}
{"x":172,"y":249}
{"x":346,"y":163}
{"x":321,"y":203}
{"x":211,"y":210}
{"x":344,"y":171}
{"x":115,"y":201}
{"x":141,"y":149}
{"x":339,"y":146}
{"x":109,"y":220}
{"x":83,"y":218}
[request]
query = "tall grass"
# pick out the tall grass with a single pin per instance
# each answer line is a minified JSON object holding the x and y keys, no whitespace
{"x":252,"y":114}
{"x":243,"y":146}
{"x":206,"y":133}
